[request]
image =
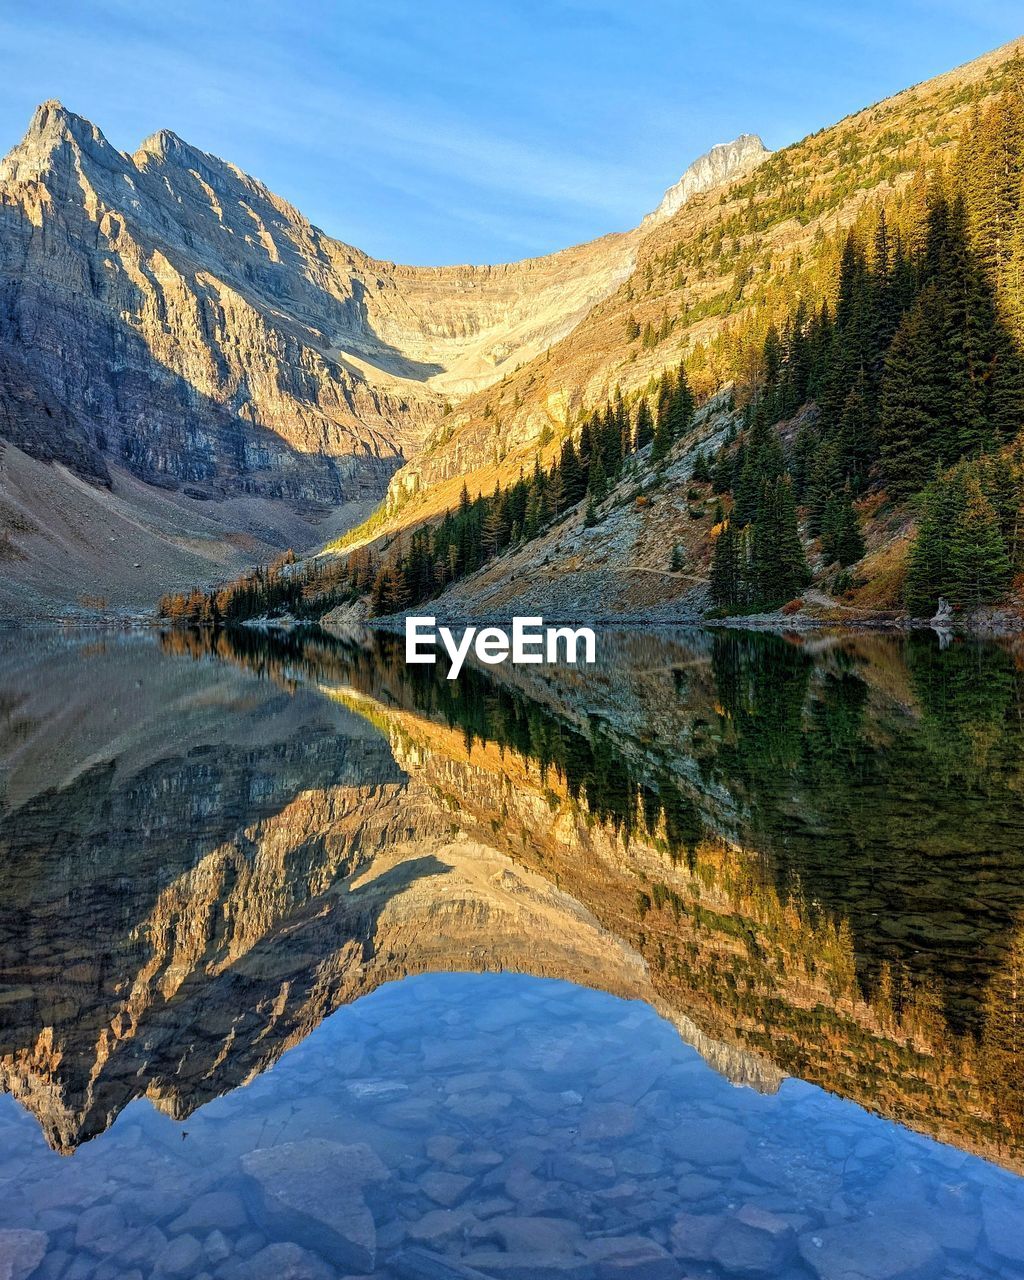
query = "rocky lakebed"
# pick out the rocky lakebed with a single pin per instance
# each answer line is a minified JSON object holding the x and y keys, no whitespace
{"x":452,"y":1127}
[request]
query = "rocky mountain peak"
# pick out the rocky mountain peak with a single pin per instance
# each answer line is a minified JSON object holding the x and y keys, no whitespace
{"x":166,"y":147}
{"x":725,"y":160}
{"x":53,"y":131}
{"x":164,"y":144}
{"x":52,"y":119}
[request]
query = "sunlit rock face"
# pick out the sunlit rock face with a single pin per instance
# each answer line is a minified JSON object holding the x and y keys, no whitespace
{"x":169,"y":320}
{"x":203,"y":332}
{"x":191,"y":318}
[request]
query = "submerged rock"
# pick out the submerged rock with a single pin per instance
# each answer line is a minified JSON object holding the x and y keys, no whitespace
{"x":312,"y":1191}
{"x":1004,"y":1228}
{"x":180,"y":1259}
{"x":421,"y":1264}
{"x":755,"y":1242}
{"x":282,"y":1261}
{"x":446,"y":1189}
{"x":881,"y":1248}
{"x":21,"y":1252}
{"x":631,"y":1258}
{"x":221,"y":1210}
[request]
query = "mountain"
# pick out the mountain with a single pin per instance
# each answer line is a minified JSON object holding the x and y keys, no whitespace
{"x":728,"y":287}
{"x":168,"y":322}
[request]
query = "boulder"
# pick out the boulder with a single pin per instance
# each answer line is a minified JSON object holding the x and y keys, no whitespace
{"x":282,"y":1261}
{"x":887,"y":1247}
{"x":446,"y":1189}
{"x":630,"y":1258}
{"x":694,"y":1235}
{"x":180,"y":1259}
{"x":753,"y":1242}
{"x":1004,"y":1227}
{"x":547,"y":1237}
{"x":710,"y":1142}
{"x":215,"y":1211}
{"x":312,"y":1192}
{"x":421,"y":1264}
{"x":21,"y":1251}
{"x":101,"y":1228}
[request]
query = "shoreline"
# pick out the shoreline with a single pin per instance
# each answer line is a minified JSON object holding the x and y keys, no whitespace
{"x":395,"y":625}
{"x":996,"y":622}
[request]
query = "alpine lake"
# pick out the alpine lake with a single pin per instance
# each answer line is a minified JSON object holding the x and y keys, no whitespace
{"x":704,"y":962}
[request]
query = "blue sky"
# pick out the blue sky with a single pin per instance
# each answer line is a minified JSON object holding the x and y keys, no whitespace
{"x":474,"y":130}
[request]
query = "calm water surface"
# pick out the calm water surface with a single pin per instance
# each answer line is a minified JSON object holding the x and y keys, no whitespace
{"x":707,"y":963}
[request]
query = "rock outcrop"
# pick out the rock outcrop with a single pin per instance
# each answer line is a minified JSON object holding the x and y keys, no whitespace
{"x":193,"y":320}
{"x":725,"y":161}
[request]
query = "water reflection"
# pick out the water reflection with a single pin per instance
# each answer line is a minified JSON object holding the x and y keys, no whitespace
{"x":809,"y":857}
{"x":818,"y":848}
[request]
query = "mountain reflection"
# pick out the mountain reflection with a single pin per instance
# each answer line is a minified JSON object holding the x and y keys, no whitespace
{"x":809,"y":856}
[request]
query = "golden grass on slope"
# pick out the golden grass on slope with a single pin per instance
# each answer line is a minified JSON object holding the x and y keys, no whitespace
{"x":885,"y":571}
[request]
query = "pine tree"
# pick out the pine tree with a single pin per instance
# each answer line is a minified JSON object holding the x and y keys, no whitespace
{"x":585,"y":447}
{"x":991,"y":166}
{"x":778,"y":565}
{"x":850,"y":346}
{"x":1002,"y":481}
{"x":644,"y":426}
{"x":762,"y":461}
{"x":960,"y":551}
{"x":597,"y":484}
{"x":793,"y":572}
{"x":388,"y":595}
{"x":721,"y":472}
{"x":681,"y":405}
{"x":491,"y":528}
{"x":965,"y":338}
{"x":913,"y":399}
{"x":662,"y":436}
{"x":726,"y":578}
{"x":841,"y":538}
{"x":534,"y":502}
{"x":573,"y":480}
{"x":856,"y":434}
{"x":772,"y":364}
{"x":929,"y":573}
{"x":701,"y":472}
{"x":1005,"y":386}
{"x":978,"y":560}
{"x":611,"y":442}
